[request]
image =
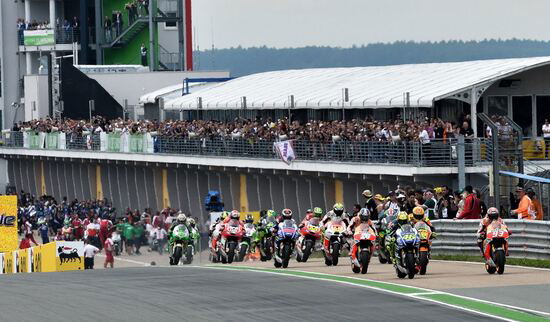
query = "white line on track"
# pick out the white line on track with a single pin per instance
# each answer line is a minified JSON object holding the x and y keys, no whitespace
{"x":363,"y":286}
{"x":418,"y":295}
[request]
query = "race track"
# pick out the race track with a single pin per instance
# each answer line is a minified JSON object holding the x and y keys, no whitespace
{"x":204,"y":294}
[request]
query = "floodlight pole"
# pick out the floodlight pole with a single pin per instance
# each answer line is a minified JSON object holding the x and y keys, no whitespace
{"x":345,"y":98}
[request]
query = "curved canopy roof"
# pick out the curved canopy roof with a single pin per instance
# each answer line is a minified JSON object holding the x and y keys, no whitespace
{"x":369,"y":87}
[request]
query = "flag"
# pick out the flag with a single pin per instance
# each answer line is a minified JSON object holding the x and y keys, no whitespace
{"x":285,"y":151}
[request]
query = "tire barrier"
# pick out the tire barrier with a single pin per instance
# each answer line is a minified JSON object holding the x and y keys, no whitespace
{"x":530,"y":239}
{"x":58,"y":256}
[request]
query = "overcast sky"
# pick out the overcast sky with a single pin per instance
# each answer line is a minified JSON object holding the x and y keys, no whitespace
{"x":297,"y":23}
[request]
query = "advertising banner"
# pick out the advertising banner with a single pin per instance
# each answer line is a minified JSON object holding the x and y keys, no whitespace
{"x":34,"y":140}
{"x":22,"y":261}
{"x":285,"y":151}
{"x":69,"y":256}
{"x":8,"y":263}
{"x":35,"y":259}
{"x":136,"y":143}
{"x":38,"y":37}
{"x":46,"y":258}
{"x":8,"y":223}
{"x":52,"y":140}
{"x":113,"y":142}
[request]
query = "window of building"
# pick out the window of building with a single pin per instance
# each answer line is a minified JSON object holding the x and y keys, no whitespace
{"x":171,"y":25}
{"x":497,"y":105}
{"x":522,"y":113}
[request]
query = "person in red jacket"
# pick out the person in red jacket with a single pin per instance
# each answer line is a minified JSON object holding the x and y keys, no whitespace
{"x":25,"y":242}
{"x":472,"y":205}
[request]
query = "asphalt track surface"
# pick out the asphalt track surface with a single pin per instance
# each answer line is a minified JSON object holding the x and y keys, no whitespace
{"x":203,"y":294}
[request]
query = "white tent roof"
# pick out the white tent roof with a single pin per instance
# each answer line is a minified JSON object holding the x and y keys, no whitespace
{"x":172,"y":92}
{"x":369,"y":87}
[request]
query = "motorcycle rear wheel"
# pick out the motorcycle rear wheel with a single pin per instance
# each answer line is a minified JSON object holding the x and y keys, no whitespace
{"x":307,"y":250}
{"x":335,"y":253}
{"x":286,"y":255}
{"x":400,"y":274}
{"x":423,"y":259}
{"x":410,"y":264}
{"x":381,"y":259}
{"x":189,"y":255}
{"x":500,"y":260}
{"x":364,"y":260}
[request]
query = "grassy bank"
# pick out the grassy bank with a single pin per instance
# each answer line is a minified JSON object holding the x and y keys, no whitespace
{"x":540,"y":263}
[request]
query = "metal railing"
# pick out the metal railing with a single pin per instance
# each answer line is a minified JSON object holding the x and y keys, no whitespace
{"x":436,"y":154}
{"x":530,"y":239}
{"x":61,"y":35}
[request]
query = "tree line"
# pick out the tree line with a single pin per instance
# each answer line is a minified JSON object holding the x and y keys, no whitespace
{"x":243,"y":61}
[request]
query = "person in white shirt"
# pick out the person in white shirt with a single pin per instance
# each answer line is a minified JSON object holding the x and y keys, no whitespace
{"x":159,"y":235}
{"x":546,"y":135}
{"x":89,"y":253}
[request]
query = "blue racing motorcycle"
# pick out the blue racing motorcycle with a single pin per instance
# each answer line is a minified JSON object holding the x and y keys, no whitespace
{"x":407,"y":243}
{"x":286,"y":239}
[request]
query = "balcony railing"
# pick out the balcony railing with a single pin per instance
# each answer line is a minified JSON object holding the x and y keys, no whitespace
{"x":60,"y":36}
{"x":438,"y":153}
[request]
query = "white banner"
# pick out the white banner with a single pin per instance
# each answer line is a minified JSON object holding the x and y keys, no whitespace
{"x":62,"y":141}
{"x":103,"y":142}
{"x":285,"y":151}
{"x":2,"y":269}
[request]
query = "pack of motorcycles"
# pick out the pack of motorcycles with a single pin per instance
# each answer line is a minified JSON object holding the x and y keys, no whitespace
{"x":411,"y":244}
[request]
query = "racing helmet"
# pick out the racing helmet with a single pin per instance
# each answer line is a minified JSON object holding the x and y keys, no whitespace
{"x":418,"y":213}
{"x":181,"y":218}
{"x":191,"y":222}
{"x":317,"y":212}
{"x":271,"y":213}
{"x":492,"y":213}
{"x":364,"y":215}
{"x":403,"y":218}
{"x":286,"y":213}
{"x":224,"y":215}
{"x":235,"y":214}
{"x":249,"y":219}
{"x":338,"y":209}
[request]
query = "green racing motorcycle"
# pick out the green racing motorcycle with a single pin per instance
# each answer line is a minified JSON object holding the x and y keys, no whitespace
{"x":182,"y":245}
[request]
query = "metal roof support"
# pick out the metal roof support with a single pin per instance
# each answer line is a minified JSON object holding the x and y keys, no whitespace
{"x":473,"y":110}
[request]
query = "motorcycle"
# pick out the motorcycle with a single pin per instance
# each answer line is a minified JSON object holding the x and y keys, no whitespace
{"x":246,"y":242}
{"x":264,"y":238}
{"x":196,"y":237}
{"x":310,"y":234}
{"x":364,"y":237}
{"x":334,"y":235}
{"x":286,"y":239}
{"x":497,"y":238}
{"x":425,"y":233}
{"x":182,"y":248}
{"x":407,"y":251}
{"x":231,"y":235}
{"x":381,"y":242}
{"x":117,"y":243}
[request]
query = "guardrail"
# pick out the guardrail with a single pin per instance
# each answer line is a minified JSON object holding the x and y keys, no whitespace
{"x":530,"y":239}
{"x":439,"y":153}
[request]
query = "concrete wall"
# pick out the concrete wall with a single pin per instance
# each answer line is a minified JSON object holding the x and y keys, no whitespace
{"x":36,"y":90}
{"x":132,"y":85}
{"x":140,"y":186}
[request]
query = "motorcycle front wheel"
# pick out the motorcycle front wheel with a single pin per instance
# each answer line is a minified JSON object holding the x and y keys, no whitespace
{"x":307,"y":250}
{"x":231,"y":252}
{"x":500,"y":260}
{"x":176,"y":256}
{"x":364,"y":260}
{"x":335,"y":253}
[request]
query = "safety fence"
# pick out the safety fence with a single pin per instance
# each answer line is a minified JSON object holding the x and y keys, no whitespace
{"x":438,"y":153}
{"x":529,"y":239}
{"x":56,"y":256}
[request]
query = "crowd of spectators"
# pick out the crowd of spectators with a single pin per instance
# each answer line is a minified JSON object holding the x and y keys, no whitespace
{"x":65,"y":31}
{"x":92,"y":221}
{"x":264,"y":129}
{"x":114,"y":25}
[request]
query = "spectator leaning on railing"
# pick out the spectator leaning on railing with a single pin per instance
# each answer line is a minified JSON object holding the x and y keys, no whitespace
{"x":472,"y":205}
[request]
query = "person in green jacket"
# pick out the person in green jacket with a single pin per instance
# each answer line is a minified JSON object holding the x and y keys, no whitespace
{"x":128,"y":234}
{"x":139,"y":232}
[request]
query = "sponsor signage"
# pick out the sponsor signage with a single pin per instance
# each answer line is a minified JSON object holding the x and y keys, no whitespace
{"x":38,"y":38}
{"x":8,"y":223}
